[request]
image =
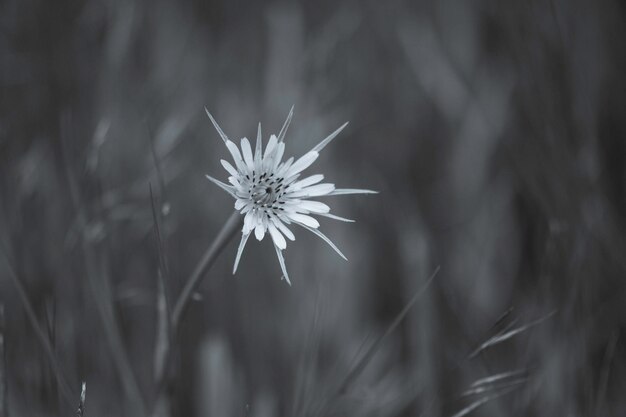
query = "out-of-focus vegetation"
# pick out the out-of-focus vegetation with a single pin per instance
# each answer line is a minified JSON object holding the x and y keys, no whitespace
{"x":495,"y":132}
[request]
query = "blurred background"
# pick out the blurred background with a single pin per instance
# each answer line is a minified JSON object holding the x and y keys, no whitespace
{"x":494,"y":131}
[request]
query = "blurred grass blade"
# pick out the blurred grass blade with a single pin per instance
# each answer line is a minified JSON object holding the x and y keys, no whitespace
{"x":498,"y":377}
{"x":40,"y":333}
{"x":307,"y":365}
{"x":473,"y":406}
{"x":605,"y":372}
{"x":508,"y":334}
{"x":4,"y":408}
{"x":362,"y":363}
{"x":497,"y":382}
{"x":163,"y":327}
{"x":100,"y":287}
{"x":163,"y":335}
{"x":81,"y":404}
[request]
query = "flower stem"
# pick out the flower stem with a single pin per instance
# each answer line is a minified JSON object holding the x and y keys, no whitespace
{"x":225,"y":235}
{"x":163,"y":360}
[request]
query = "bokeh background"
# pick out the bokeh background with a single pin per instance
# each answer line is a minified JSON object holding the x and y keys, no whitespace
{"x":494,"y":131}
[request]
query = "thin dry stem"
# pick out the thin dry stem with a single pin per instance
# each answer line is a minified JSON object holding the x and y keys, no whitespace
{"x":164,"y":353}
{"x":225,"y":235}
{"x":40,"y":333}
{"x":99,"y":285}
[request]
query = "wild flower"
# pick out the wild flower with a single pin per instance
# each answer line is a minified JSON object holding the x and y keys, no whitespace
{"x":270,"y":194}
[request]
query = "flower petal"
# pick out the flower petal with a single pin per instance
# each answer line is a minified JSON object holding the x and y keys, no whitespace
{"x":313,"y":179}
{"x":302,"y":163}
{"x":313,"y":206}
{"x":304,"y":219}
{"x":284,"y":167}
{"x":271,"y":144}
{"x":228,"y":167}
{"x":239,"y":204}
{"x":247,"y":154}
{"x":234,"y":151}
{"x":258,"y":152}
{"x":314,"y":191}
{"x":281,"y":226}
{"x":278,"y":155}
{"x":277,"y":237}
{"x":259,"y":231}
{"x":248,"y":222}
{"x":234,"y":181}
{"x":242,"y":245}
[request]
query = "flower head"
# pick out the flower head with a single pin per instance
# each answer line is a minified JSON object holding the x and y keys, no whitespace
{"x":270,"y":194}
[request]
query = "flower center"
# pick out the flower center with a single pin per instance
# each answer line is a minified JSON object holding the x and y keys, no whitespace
{"x":263,"y":194}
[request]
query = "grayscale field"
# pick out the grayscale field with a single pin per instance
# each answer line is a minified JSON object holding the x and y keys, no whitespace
{"x":486,"y":276}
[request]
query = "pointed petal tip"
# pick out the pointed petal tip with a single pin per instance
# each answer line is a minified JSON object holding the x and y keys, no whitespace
{"x":329,"y":138}
{"x":242,"y":244}
{"x":281,"y":261}
{"x":339,"y":218}
{"x":323,"y":237}
{"x":216,"y":125}
{"x":228,"y":188}
{"x":346,"y":191}
{"x":283,"y":130}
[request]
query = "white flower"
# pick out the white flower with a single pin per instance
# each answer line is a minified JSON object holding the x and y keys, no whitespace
{"x":270,"y":194}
